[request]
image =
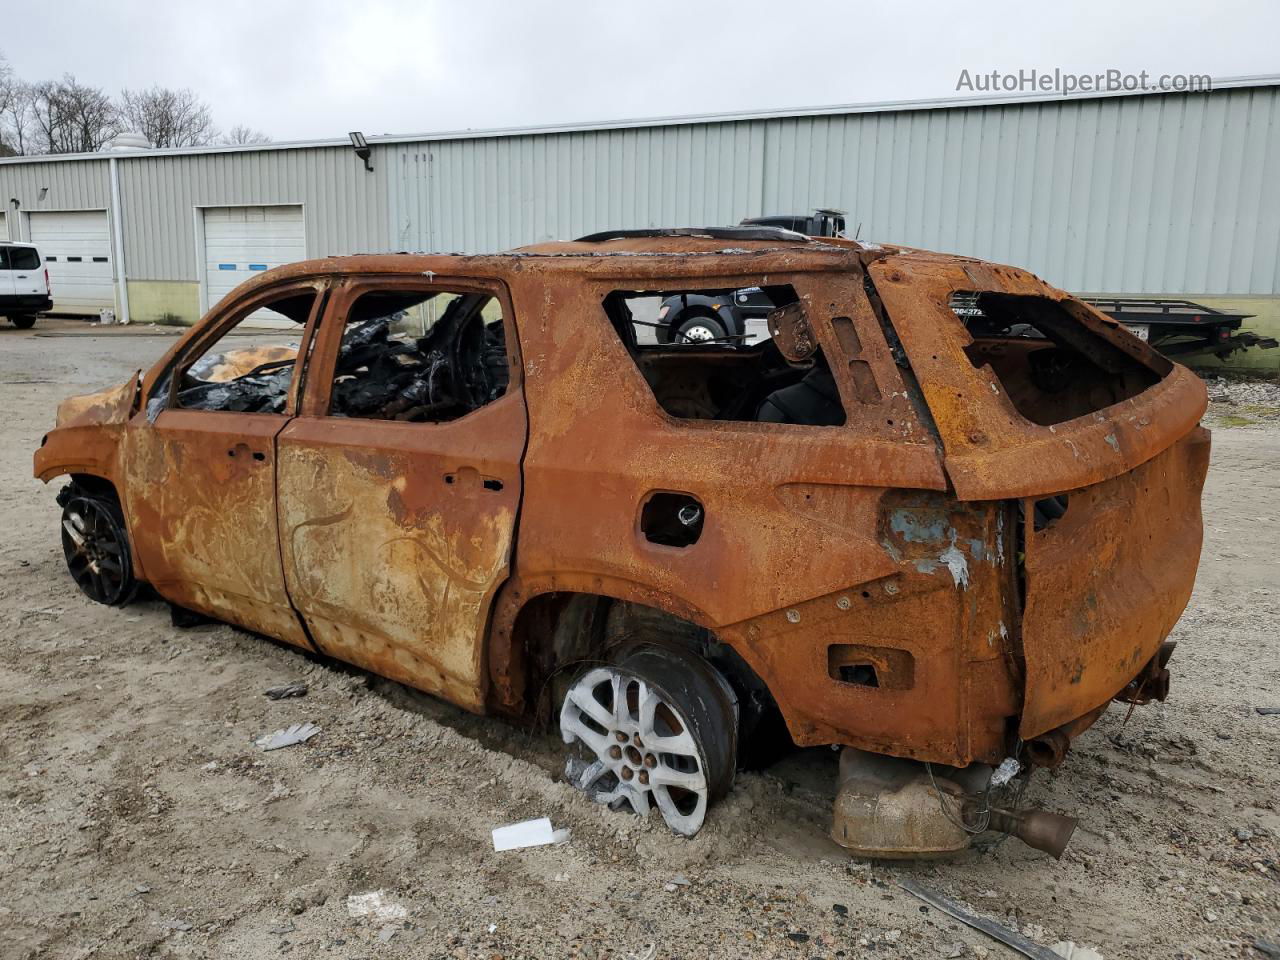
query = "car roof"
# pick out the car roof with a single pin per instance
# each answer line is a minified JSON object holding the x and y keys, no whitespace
{"x":693,"y":252}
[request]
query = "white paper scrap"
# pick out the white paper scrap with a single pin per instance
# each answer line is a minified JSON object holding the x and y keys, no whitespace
{"x":529,"y":833}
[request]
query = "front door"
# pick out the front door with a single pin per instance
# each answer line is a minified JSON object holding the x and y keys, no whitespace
{"x":202,"y":461}
{"x":400,"y":479}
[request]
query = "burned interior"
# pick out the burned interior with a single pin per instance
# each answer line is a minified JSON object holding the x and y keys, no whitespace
{"x":726,"y":378}
{"x":248,"y":377}
{"x":1056,"y":359}
{"x":420,"y":356}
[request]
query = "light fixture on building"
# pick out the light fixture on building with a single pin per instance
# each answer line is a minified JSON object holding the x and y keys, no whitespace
{"x":362,"y":149}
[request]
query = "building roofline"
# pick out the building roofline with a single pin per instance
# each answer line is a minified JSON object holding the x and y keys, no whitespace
{"x":886,"y":106}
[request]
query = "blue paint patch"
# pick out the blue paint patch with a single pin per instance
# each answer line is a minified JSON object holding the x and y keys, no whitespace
{"x":257,"y":266}
{"x":922,"y":526}
{"x":226,"y":266}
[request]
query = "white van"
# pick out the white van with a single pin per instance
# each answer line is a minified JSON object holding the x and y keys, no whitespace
{"x":24,"y":284}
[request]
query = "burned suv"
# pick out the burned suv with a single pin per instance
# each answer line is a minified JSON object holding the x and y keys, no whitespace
{"x":945,"y":550}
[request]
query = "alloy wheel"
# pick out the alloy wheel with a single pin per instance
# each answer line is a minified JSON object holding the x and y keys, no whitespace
{"x":97,"y":551}
{"x":646,"y":747}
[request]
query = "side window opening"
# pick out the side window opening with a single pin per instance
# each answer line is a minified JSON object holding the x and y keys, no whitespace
{"x":707,"y":355}
{"x":250,"y":367}
{"x":23,"y":258}
{"x":1051,"y":363}
{"x":424,"y":356}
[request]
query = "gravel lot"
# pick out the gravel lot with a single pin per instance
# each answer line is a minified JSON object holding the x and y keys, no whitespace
{"x":137,"y":819}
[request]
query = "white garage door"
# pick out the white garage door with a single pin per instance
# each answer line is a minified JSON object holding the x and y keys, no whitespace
{"x":241,"y":242}
{"x":4,"y":228}
{"x":76,"y":246}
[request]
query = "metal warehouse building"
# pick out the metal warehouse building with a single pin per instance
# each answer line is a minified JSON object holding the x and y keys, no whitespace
{"x":1152,"y":194}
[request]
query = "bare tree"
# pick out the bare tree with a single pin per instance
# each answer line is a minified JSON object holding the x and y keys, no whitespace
{"x":17,"y":119}
{"x":8,"y":95}
{"x":168,"y":118}
{"x":71,"y":117}
{"x":240,"y":134}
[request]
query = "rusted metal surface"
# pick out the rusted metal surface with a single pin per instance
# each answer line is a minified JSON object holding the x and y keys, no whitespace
{"x":887,"y":547}
{"x":1107,"y":582}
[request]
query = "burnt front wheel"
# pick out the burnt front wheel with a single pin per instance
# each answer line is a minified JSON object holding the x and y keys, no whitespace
{"x":658,"y":729}
{"x":97,"y":550}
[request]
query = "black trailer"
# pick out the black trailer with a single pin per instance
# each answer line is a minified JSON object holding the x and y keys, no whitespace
{"x":1181,"y":327}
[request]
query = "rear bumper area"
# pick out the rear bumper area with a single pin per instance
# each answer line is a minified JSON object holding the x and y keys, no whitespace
{"x":36,"y":303}
{"x":1106,"y":582}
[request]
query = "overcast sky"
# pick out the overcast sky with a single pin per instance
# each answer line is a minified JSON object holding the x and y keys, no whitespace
{"x":319,"y":69}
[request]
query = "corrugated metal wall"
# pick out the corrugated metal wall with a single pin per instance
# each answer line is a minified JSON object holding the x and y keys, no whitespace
{"x":1157,"y":194}
{"x":345,"y":208}
{"x":1167,"y":194}
{"x":72,"y":185}
{"x":1131,"y":194}
{"x":496,"y":193}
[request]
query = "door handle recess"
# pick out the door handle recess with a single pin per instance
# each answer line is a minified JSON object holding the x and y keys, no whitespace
{"x":466,"y":478}
{"x":240,"y":450}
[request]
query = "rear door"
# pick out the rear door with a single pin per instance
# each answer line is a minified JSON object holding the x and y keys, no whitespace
{"x":400,"y":480}
{"x":1036,"y":395}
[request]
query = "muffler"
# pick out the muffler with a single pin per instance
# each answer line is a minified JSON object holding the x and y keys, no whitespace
{"x":890,"y":808}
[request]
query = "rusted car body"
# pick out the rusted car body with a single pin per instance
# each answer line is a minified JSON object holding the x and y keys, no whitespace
{"x":890,"y":583}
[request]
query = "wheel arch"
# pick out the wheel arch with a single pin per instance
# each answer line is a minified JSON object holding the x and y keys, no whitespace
{"x":94,"y":483}
{"x":541,"y":628}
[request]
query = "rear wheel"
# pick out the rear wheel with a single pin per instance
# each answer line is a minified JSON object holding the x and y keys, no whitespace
{"x":658,"y":729}
{"x":97,"y":550}
{"x":24,"y":322}
{"x":700,"y":330}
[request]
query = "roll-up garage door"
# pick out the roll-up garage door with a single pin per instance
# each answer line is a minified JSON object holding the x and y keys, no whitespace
{"x":241,"y":242}
{"x":76,"y":246}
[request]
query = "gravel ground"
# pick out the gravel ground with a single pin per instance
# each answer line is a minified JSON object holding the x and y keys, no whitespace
{"x":137,"y":819}
{"x":1243,"y":402}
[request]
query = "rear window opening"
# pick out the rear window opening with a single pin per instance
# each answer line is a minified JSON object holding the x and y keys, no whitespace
{"x":1056,"y":360}
{"x":704,"y":363}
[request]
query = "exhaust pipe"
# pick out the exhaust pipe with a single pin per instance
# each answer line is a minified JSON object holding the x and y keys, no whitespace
{"x":889,"y":808}
{"x":1048,"y":749}
{"x":1040,"y":829}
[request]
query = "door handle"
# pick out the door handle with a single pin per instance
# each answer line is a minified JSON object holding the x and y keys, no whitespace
{"x":241,"y":449}
{"x":468,"y":478}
